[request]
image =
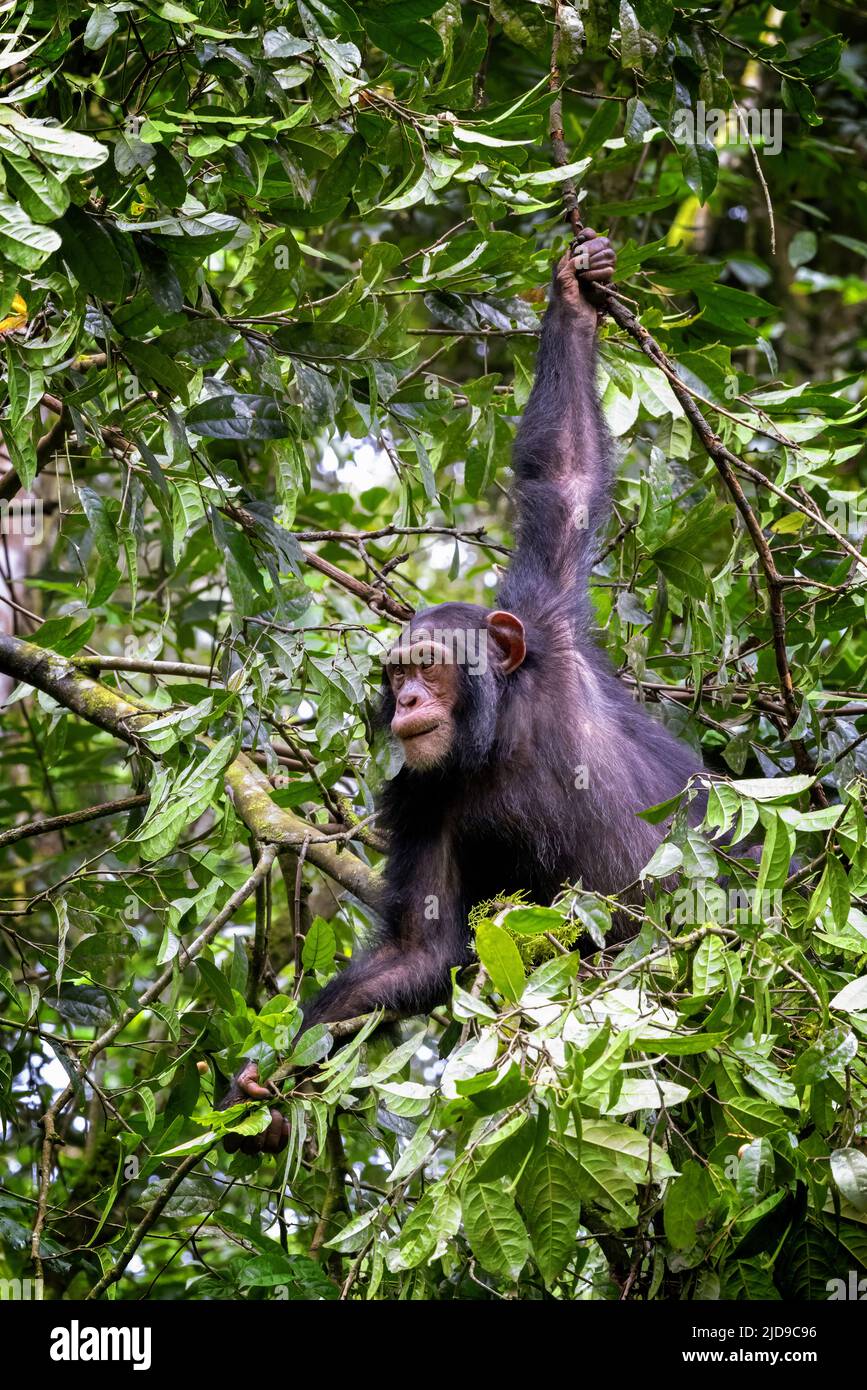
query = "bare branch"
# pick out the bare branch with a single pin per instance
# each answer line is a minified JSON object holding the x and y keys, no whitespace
{"x":50,"y":823}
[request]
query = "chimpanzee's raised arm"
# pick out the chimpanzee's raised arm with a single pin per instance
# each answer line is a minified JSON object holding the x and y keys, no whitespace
{"x":562,"y":455}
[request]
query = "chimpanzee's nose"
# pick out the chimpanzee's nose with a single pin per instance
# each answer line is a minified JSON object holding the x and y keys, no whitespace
{"x":407,"y":699}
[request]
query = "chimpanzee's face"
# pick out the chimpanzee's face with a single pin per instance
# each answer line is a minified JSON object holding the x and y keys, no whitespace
{"x":434,"y":664}
{"x":423,"y":677}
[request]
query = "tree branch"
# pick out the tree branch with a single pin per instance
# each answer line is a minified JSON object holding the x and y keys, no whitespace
{"x":193,"y":670}
{"x":375,"y":597}
{"x":250,"y":789}
{"x":150,"y":1218}
{"x":49,"y":823}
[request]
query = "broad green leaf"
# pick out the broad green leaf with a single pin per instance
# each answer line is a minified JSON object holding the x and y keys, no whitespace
{"x":102,"y":23}
{"x":23,"y":242}
{"x":496,"y":1233}
{"x":317,"y":952}
{"x":774,"y":788}
{"x":849,"y":1171}
{"x":499,"y":955}
{"x":238,"y":415}
{"x":852,"y":998}
{"x":551,"y":1206}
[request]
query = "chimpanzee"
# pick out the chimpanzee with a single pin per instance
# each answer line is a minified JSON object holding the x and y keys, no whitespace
{"x":525,"y":759}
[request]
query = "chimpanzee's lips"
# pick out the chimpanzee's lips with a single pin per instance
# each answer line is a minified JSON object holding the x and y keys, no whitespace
{"x":417,"y":732}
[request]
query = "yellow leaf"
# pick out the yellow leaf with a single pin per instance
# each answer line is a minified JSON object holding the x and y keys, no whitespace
{"x":17,"y":318}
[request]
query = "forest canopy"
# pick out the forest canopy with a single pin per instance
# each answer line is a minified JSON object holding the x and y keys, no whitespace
{"x":271,"y":282}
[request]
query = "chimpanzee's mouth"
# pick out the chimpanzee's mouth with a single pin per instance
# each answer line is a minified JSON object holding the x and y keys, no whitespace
{"x":419,"y":733}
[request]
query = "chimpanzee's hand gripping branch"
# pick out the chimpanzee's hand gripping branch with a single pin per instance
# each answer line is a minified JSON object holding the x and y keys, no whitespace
{"x":525,"y":759}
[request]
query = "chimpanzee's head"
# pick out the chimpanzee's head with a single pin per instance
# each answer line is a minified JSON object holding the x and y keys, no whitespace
{"x":444,"y":680}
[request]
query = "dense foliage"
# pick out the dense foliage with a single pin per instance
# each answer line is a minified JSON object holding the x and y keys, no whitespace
{"x":270,"y":279}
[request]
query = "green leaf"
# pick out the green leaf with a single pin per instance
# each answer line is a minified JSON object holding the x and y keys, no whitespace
{"x":665,"y":860}
{"x":701,"y":168}
{"x":681,"y":1044}
{"x":828,"y":1056}
{"x":40,"y":193}
{"x":731,"y":309}
{"x":319,"y":946}
{"x":23,"y":242}
{"x":217,"y":984}
{"x":201,"y":341}
{"x":312,"y":1046}
{"x":818,"y":61}
{"x":418,"y":1236}
{"x":354,"y":1234}
{"x":499,"y":955}
{"x":708,"y":967}
{"x":638,"y":122}
{"x":496,"y":1233}
{"x":65,"y":152}
{"x":167,"y":178}
{"x":298,"y":1277}
{"x":102,"y":528}
{"x":838,"y":889}
{"x":626,"y":1149}
{"x":776,"y":853}
{"x":397,"y":29}
{"x":90,"y":253}
{"x":852,"y":998}
{"x":600,"y":128}
{"x":631,"y":47}
{"x":849,"y":1171}
{"x":154,"y":364}
{"x":773,"y":789}
{"x":528,"y":921}
{"x":686,"y":1204}
{"x":505,"y":1155}
{"x":432,"y":1224}
{"x":100,"y":26}
{"x":798,"y":97}
{"x":549,"y":1199}
{"x":238,"y":415}
{"x":415,"y":1154}
{"x":683,"y":570}
{"x":802,"y":248}
{"x":491,"y":1094}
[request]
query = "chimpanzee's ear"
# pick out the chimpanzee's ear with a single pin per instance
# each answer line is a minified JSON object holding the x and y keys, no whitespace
{"x":508,"y":633}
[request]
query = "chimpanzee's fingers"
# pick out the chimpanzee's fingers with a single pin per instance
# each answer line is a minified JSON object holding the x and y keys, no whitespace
{"x":588,"y":250}
{"x":247,"y":1081}
{"x":585,"y":234}
{"x":276,"y":1136}
{"x":599,"y":277}
{"x":243,"y":1086}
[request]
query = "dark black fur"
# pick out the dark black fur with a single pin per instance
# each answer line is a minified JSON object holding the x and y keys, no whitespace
{"x":504,"y":812}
